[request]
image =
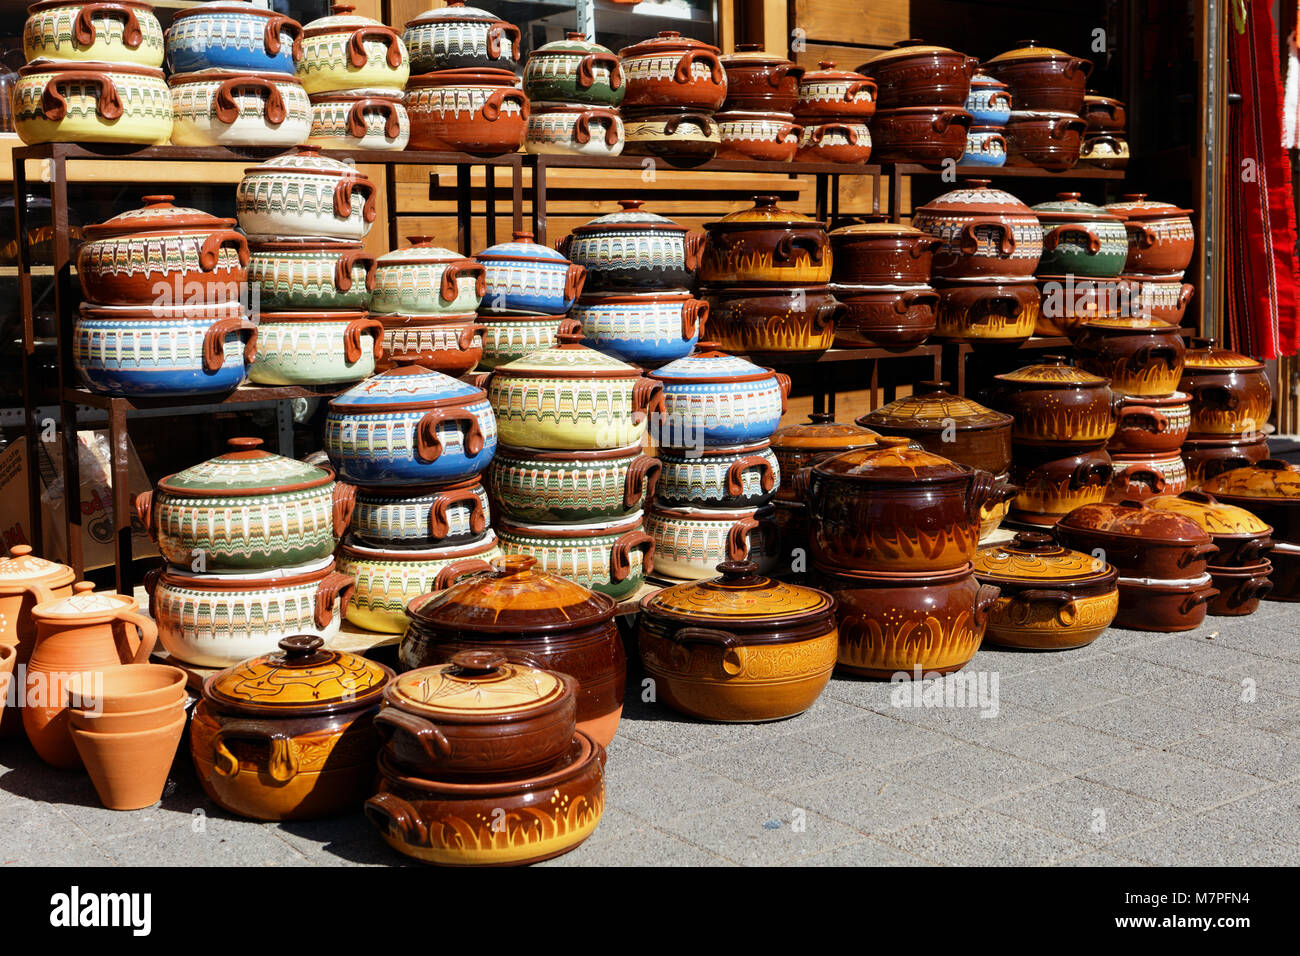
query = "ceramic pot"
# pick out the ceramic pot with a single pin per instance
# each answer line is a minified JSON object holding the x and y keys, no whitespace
{"x":344,"y":51}
{"x":1239,"y":589}
{"x":91,"y":102}
{"x":741,"y":476}
{"x":532,"y":617}
{"x":1141,"y":357}
{"x":673,"y":71}
{"x":739,"y":648}
{"x":425,"y":279}
{"x":316,"y":348}
{"x":568,"y":487}
{"x":985,"y":146}
{"x":915,"y":73}
{"x":680,"y":138}
{"x":1242,"y":538}
{"x":1141,"y":542}
{"x":455,"y":37}
{"x":1053,"y":481}
{"x":994,"y":312}
{"x":8,"y":658}
{"x":1152,"y":425}
{"x":574,"y":70}
{"x":129,"y":770}
{"x":896,"y":626}
{"x":765,"y":245}
{"x":410,"y":426}
{"x":766,"y":323}
{"x":451,"y":344}
{"x":450,"y":824}
{"x":433,"y":516}
{"x":759,"y":81}
{"x":989,"y":103}
{"x":793,"y":529}
{"x":1160,"y":297}
{"x":929,"y":135}
{"x":1080,"y":238}
{"x":524,"y":277}
{"x":510,"y":337}
{"x":577,"y":130}
{"x":1230,"y":394}
{"x":289,"y":735}
{"x":1269,"y":489}
{"x":752,"y":135}
{"x":571,"y":397}
{"x":884,"y":316}
{"x":1105,"y":151}
{"x":995,"y":512}
{"x":1050,"y":140}
{"x":804,"y":444}
{"x":835,"y":141}
{"x":126,"y":692}
{"x":246,"y":511}
{"x":1160,"y":235}
{"x":895,"y":509}
{"x":85,"y":719}
{"x":1285,"y":575}
{"x":830,"y":94}
{"x":25,"y":581}
{"x":882,"y":253}
{"x":233,"y":36}
{"x":307,"y":195}
{"x":83,"y":633}
{"x":1139,"y":476}
{"x":476,"y":111}
{"x":1104,"y":114}
{"x":1206,"y":458}
{"x":1151,"y":604}
{"x":311,"y":275}
{"x":711,"y":398}
{"x":1052,"y":598}
{"x":689,"y":543}
{"x":647,"y":328}
{"x":364,"y":119}
{"x":163,"y":350}
{"x":610,"y":557}
{"x":947,"y":425}
{"x":120,"y":32}
{"x":1054,"y":403}
{"x":243,"y":109}
{"x":985,"y":232}
{"x":1067,"y":301}
{"x":633,"y":251}
{"x":1041,"y":78}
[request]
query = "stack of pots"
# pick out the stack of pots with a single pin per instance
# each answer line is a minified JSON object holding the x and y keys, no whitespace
{"x":989,"y":105}
{"x":1230,"y":402}
{"x":921,"y":95}
{"x":248,"y":543}
{"x":570,"y":479}
{"x":893,"y":533}
{"x":1047,"y":88}
{"x":756,"y":121}
{"x":834,"y":108}
{"x":880,"y":273}
{"x":305,"y":216}
{"x":765,"y":273}
{"x":637,"y":304}
{"x":1084,"y":251}
{"x":414,"y":441}
{"x":718,"y":473}
{"x":1270,"y":490}
{"x":575,"y":87}
{"x":983,"y":271}
{"x":234,"y":77}
{"x":1160,"y":244}
{"x":1105,"y":143}
{"x":675,"y":85}
{"x":463,"y":94}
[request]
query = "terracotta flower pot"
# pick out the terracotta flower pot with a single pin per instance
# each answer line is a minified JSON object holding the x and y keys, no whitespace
{"x":129,"y":689}
{"x":129,"y":770}
{"x":128,"y":722}
{"x":915,"y":73}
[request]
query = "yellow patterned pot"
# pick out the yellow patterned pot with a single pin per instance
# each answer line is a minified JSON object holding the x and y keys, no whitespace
{"x":348,"y":52}
{"x":91,"y":102}
{"x":123,"y":31}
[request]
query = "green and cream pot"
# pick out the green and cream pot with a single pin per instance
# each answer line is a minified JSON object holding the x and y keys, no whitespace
{"x":424,"y":279}
{"x":90,"y":101}
{"x":510,"y":337}
{"x":123,"y":31}
{"x":1081,"y":239}
{"x":316,"y":348}
{"x":535,"y":484}
{"x":311,"y":275}
{"x":690,"y":543}
{"x":574,"y":70}
{"x":359,"y":119}
{"x":344,"y":51}
{"x":612,"y":557}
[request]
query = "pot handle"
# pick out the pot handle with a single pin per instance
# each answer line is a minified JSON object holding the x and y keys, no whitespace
{"x":1253,"y":552}
{"x":587,"y":70}
{"x":226,"y":107}
{"x":860,"y":86}
{"x":784,"y":383}
{"x":432,"y":741}
{"x":283,"y":763}
{"x":948,"y":117}
{"x":428,"y":445}
{"x":695,"y":312}
{"x":781,"y":72}
{"x":788,"y":249}
{"x":494,"y":36}
{"x":1146,"y":236}
{"x":620,"y":556}
{"x":347,"y":261}
{"x":389,"y":813}
{"x":449,"y":286}
{"x":343,"y":190}
{"x":465,"y":341}
{"x":54,"y":107}
{"x":993,"y":139}
{"x":801,"y":483}
{"x":694,"y":246}
{"x":1000,"y":98}
{"x":787,"y":130}
{"x":352,"y":338}
{"x":451,"y":573}
{"x":909,"y":299}
{"x":271,"y":35}
{"x":492,"y":105}
{"x":737,"y":469}
{"x":985,"y":598}
{"x":343,"y":503}
{"x":214,"y":342}
{"x":1056,"y":236}
{"x":969,"y":242}
{"x":143,"y":505}
{"x":1256,"y":588}
{"x":733,"y":649}
{"x":1152,"y":353}
{"x":567,"y":327}
{"x":1062,"y":601}
{"x":83,"y":26}
{"x":1091,"y":473}
{"x":1134,"y":478}
{"x":1199,"y":598}
{"x":1077,"y":63}
{"x":148,"y":631}
{"x":1131,"y":416}
{"x":357,"y":54}
{"x":440,"y":527}
{"x":334,"y":586}
{"x":1013,"y":306}
{"x":574,"y":280}
{"x":1197,"y":553}
{"x":210,"y":251}
{"x":481,"y":379}
{"x":924,"y":244}
{"x":1185,"y":294}
{"x":151,"y":588}
{"x":357,"y":117}
{"x":1065,"y":124}
{"x":984,"y":491}
{"x":682,"y":74}
{"x":582,"y":125}
{"x":738,"y":538}
{"x":647,"y":397}
{"x":828,"y":313}
{"x":1218,"y":397}
{"x":699,"y":119}
{"x":645,"y":470}
{"x":819,"y":133}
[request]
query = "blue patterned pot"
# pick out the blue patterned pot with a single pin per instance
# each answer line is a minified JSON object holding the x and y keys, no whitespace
{"x":410,"y":426}
{"x":712,"y":398}
{"x":232,"y":35}
{"x":985,"y":146}
{"x":524,"y":277}
{"x":989,"y":103}
{"x":648,"y":328}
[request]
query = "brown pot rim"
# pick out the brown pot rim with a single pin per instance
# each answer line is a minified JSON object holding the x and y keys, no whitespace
{"x":466,"y":77}
{"x":729,"y":515}
{"x":719,"y":451}
{"x":584,"y":750}
{"x":598,"y":529}
{"x":359,"y":552}
{"x":894,"y":579}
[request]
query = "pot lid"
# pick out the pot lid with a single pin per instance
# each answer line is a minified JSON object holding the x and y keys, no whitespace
{"x":573,"y":42}
{"x":479,"y":686}
{"x":474,"y":76}
{"x":706,"y":363}
{"x":1133,"y":519}
{"x":228,"y":6}
{"x":892,"y":459}
{"x":515,"y":598}
{"x":823,"y":432}
{"x":742,"y":600}
{"x":905,"y":48}
{"x":752,"y":54}
{"x":569,"y":359}
{"x":245,"y":470}
{"x":156,"y":213}
{"x":1053,"y":372}
{"x":877,"y":226}
{"x":1269,"y":478}
{"x":44,"y":64}
{"x":306,"y":159}
{"x":1137,"y":206}
{"x":84,"y":605}
{"x":931,"y":407}
{"x":984,"y":80}
{"x":826,"y":71}
{"x":1070,"y":207}
{"x":632,"y":215}
{"x":303,"y":678}
{"x":520,"y":249}
{"x":350,"y":549}
{"x":340,"y":18}
{"x":1204,"y":354}
{"x":421,"y":251}
{"x":1212,"y":515}
{"x":668,"y":41}
{"x":976,"y":197}
{"x":1129,"y":323}
{"x":407,"y":385}
{"x":1034,"y":557}
{"x":1030,"y":50}
{"x":21,"y":568}
{"x":455,"y":11}
{"x":764,"y":212}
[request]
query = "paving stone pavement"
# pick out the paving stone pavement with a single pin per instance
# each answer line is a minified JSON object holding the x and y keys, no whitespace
{"x":1143,"y":749}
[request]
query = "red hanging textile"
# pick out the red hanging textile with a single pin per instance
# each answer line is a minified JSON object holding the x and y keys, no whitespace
{"x":1260,"y":233}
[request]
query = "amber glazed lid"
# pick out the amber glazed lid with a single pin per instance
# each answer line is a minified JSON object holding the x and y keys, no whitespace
{"x":1205,"y":355}
{"x":743,"y":602}
{"x":891,"y":460}
{"x":906,"y":48}
{"x":932,"y":408}
{"x":752,"y":54}
{"x":1121,"y":324}
{"x":765,"y":212}
{"x":1033,"y":557}
{"x":245,"y":470}
{"x":823,"y":433}
{"x":303,"y":679}
{"x":513,"y":598}
{"x":1133,"y":519}
{"x":156,"y":214}
{"x":1269,"y":478}
{"x":21,"y":569}
{"x":480,"y":687}
{"x":1212,"y":515}
{"x":1055,"y":371}
{"x":1031,"y":50}
{"x":877,"y":226}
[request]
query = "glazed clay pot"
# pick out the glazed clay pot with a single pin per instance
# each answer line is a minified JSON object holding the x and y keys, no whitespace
{"x":992,"y":312}
{"x":1041,"y":78}
{"x":1053,"y":481}
{"x":1208,"y":457}
{"x":1068,"y":301}
{"x":1242,"y":538}
{"x":246,"y":109}
{"x":476,"y":111}
{"x":121,"y":32}
{"x":762,"y":136}
{"x":1142,"y":357}
{"x":451,"y":344}
{"x":368,"y":119}
{"x":611,"y":557}
{"x":985,"y":232}
{"x":57,"y":101}
{"x":312,"y":275}
{"x":1141,"y":542}
{"x":577,"y":130}
{"x":944,"y":424}
{"x":425,"y":279}
{"x":835,"y":141}
{"x":566,"y":487}
{"x":510,"y":337}
{"x":316,"y":348}
{"x":235,"y":37}
{"x":1054,"y":403}
{"x":646,"y":328}
{"x":1160,"y":235}
{"x":711,"y":398}
{"x":1104,"y":114}
{"x":1104,"y":151}
{"x":830,"y":94}
{"x":634,"y":250}
{"x":1050,"y":140}
{"x":1269,"y":489}
{"x":1285,"y":575}
{"x":915,"y":73}
{"x":760,"y":81}
{"x":456,"y":37}
{"x":344,"y":51}
{"x":884,"y":316}
{"x":772,"y":324}
{"x":1147,"y":604}
{"x":882,"y":253}
{"x":929,"y":135}
{"x":989,"y":103}
{"x":689,"y":543}
{"x":680,"y":138}
{"x":574,"y":70}
{"x":525,"y":277}
{"x":909,"y":625}
{"x":1240,"y":589}
{"x":1160,"y":297}
{"x":432,"y":516}
{"x":802,"y":445}
{"x":1140,"y":476}
{"x":673,"y":71}
{"x":25,"y":581}
{"x":985,"y":146}
{"x":739,"y":648}
{"x":765,"y":245}
{"x":1230,"y":394}
{"x":740,"y":476}
{"x":1081,"y":239}
{"x":1152,"y":425}
{"x":305,"y":194}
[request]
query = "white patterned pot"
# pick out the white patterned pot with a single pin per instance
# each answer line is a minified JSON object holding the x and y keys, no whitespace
{"x":523,"y":276}
{"x":457,"y":37}
{"x":233,"y":36}
{"x":246,"y":109}
{"x":634,"y":250}
{"x":215,"y":620}
{"x":768,"y":137}
{"x":365,"y":119}
{"x":509,"y":337}
{"x":611,"y":557}
{"x":120,"y":32}
{"x":729,"y":476}
{"x":424,"y":279}
{"x":577,"y":129}
{"x":91,"y":102}
{"x":690,"y":543}
{"x":344,"y":51}
{"x":712,"y":398}
{"x":311,"y":275}
{"x":430,"y":516}
{"x":647,"y":328}
{"x":985,"y":146}
{"x":316,"y":348}
{"x":562,"y":487}
{"x":984,"y":231}
{"x":306,"y":195}
{"x":451,"y":344}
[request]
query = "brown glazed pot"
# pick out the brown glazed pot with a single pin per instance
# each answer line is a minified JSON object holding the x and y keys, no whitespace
{"x":1104,"y":114}
{"x":985,"y":232}
{"x":830,"y":94}
{"x":947,"y":425}
{"x":1104,"y":150}
{"x":994,"y":312}
{"x":1164,"y":605}
{"x":759,"y":81}
{"x":1269,"y":489}
{"x":834,"y":141}
{"x":768,"y":137}
{"x":1141,"y":542}
{"x":1054,"y":403}
{"x":882,"y":253}
{"x":1285,"y":576}
{"x":902,"y":624}
{"x":1208,"y":457}
{"x":1049,"y":140}
{"x":1053,"y":481}
{"x":798,"y":446}
{"x":478,"y":111}
{"x":1242,"y":538}
{"x":451,"y":344}
{"x":929,"y":135}
{"x":675,"y":72}
{"x":1240,"y":589}
{"x":915,"y":73}
{"x":1041,"y":78}
{"x":1160,"y":235}
{"x":1152,"y":425}
{"x":769,"y":324}
{"x":1069,"y":300}
{"x":1230,"y":393}
{"x":892,"y":508}
{"x":888,"y":316}
{"x":1141,"y":357}
{"x":765,"y":245}
{"x":1144,"y":475}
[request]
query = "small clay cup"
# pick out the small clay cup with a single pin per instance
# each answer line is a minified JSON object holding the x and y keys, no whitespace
{"x":131,"y":688}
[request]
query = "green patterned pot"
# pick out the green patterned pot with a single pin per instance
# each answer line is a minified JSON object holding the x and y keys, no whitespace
{"x":510,"y":337}
{"x":532,"y":484}
{"x":1081,"y":238}
{"x":312,"y":275}
{"x":425,"y":279}
{"x":574,"y":70}
{"x":316,"y":348}
{"x":611,"y":557}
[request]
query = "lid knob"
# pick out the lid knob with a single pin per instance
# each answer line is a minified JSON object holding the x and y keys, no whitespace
{"x":631,"y":204}
{"x":419,"y":240}
{"x":766,"y":202}
{"x":302,"y":649}
{"x":892,"y":441}
{"x":910,"y":41}
{"x":1134,"y":197}
{"x":575,"y":35}
{"x":1056,"y":360}
{"x":523,"y":236}
{"x":821,"y":418}
{"x":341,"y":8}
{"x":702,"y":347}
{"x":244,"y":444}
{"x":826,"y":64}
{"x":513,"y":564}
{"x":1069,"y":197}
{"x":733,"y":572}
{"x":570,"y":340}
{"x":930,"y":388}
{"x":669,"y":34}
{"x":748,"y":47}
{"x":1027,"y":43}
{"x":979,"y":183}
{"x":158,"y":200}
{"x":1033,"y":541}
{"x":1199,"y":343}
{"x":20,"y":551}
{"x":83,"y":587}
{"x":477,"y":663}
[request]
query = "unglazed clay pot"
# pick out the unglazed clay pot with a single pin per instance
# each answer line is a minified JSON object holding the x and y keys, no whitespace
{"x":834,"y":141}
{"x":289,"y":735}
{"x":311,"y":275}
{"x":451,"y":344}
{"x":1141,"y":542}
{"x":57,"y":101}
{"x":129,"y":769}
{"x":985,"y":232}
{"x":689,"y":543}
{"x":1140,"y":356}
{"x":909,"y":625}
{"x":646,"y":328}
{"x":316,"y":348}
{"x":1054,"y":480}
{"x":1208,"y":457}
{"x":987,"y":311}
{"x":772,"y":324}
{"x":476,"y":111}
{"x":725,"y":476}
{"x":1152,"y":425}
{"x":1230,"y":393}
{"x":25,"y":581}
{"x":359,"y":119}
{"x":455,"y":37}
{"x":673,"y":71}
{"x":799,"y":446}
{"x":244,"y":109}
{"x":1050,"y":140}
{"x":8,"y":657}
{"x":121,"y":32}
{"x":1160,"y":235}
{"x":1269,"y":489}
{"x":1052,"y":598}
{"x":430,"y":516}
{"x":769,"y":137}
{"x":765,"y":245}
{"x":1041,"y":78}
{"x":127,"y":690}
{"x":1242,"y":538}
{"x":761,"y":81}
{"x":1156,"y":604}
{"x":344,"y":51}
{"x":830,"y":94}
{"x":634,"y":250}
{"x":305,"y":194}
{"x":915,"y":73}
{"x":510,"y":337}
{"x":1054,"y":403}
{"x":574,"y":129}
{"x":1139,"y":476}
{"x":425,"y":279}
{"x":739,"y":648}
{"x":611,"y":557}
{"x":533,"y":618}
{"x":567,"y":487}
{"x":882,"y":253}
{"x":680,"y":138}
{"x":524,"y":277}
{"x":574,"y":70}
{"x":1081,"y":239}
{"x":1239,"y":589}
{"x":232,"y":36}
{"x":955,"y":428}
{"x":711,"y":398}
{"x":929,"y":135}
{"x":884,"y":316}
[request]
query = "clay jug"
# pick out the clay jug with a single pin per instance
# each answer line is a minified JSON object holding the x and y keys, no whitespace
{"x":25,"y":581}
{"x":75,"y":637}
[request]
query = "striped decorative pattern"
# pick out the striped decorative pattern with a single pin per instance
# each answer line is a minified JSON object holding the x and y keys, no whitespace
{"x":559,"y":413}
{"x":535,"y":490}
{"x":429,"y":43}
{"x":726,"y":413}
{"x":692,"y":548}
{"x":379,"y":447}
{"x":385,"y":587}
{"x":630,"y":248}
{"x":326,"y":64}
{"x":329,"y":126}
{"x":161,"y":356}
{"x":309,"y":353}
{"x":304,"y":280}
{"x":504,"y":341}
{"x":247,"y":532}
{"x":385,"y":519}
{"x":149,"y":255}
{"x":702,"y":479}
{"x":49,"y":33}
{"x":584,"y":560}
